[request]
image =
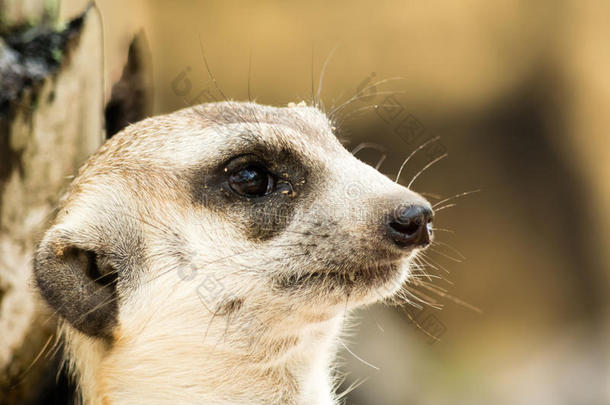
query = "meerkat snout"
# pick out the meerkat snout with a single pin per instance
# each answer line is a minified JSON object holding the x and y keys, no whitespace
{"x":211,"y":256}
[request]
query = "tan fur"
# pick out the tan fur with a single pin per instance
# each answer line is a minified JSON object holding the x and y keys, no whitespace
{"x":248,"y":342}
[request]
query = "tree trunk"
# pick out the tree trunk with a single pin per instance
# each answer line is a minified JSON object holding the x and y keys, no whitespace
{"x":51,"y":120}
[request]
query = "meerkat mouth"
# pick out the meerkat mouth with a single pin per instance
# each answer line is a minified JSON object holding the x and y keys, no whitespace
{"x":370,"y":276}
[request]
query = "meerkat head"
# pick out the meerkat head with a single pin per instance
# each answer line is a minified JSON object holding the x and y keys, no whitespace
{"x":219,"y":222}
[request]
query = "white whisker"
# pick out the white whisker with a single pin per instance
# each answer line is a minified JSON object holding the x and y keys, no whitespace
{"x":420,"y":147}
{"x":438,"y":159}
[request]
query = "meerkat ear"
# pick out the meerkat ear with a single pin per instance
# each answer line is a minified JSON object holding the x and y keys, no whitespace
{"x":78,"y":283}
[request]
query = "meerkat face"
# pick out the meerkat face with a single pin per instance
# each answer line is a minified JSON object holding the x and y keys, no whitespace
{"x":224,"y":207}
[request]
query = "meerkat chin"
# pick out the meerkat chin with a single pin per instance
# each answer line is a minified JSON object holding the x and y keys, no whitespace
{"x":210,"y":256}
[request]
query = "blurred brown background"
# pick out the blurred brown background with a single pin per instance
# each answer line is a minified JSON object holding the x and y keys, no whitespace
{"x":519,"y":93}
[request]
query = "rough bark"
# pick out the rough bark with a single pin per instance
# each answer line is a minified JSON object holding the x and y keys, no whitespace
{"x":26,"y":12}
{"x":51,"y":119}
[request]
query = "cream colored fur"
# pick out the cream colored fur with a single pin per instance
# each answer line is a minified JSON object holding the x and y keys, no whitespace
{"x":236,"y":341}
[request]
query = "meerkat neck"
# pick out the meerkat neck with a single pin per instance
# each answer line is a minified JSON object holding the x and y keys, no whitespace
{"x":287,"y":368}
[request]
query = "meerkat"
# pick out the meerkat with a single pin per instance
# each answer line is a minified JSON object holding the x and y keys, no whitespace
{"x":211,"y":256}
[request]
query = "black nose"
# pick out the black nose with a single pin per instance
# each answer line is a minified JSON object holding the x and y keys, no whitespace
{"x":409,"y":226}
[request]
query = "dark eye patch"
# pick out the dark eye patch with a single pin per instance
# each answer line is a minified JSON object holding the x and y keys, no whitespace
{"x":257,"y":191}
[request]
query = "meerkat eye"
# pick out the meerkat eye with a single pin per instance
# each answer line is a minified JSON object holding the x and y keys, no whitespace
{"x":251,"y":181}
